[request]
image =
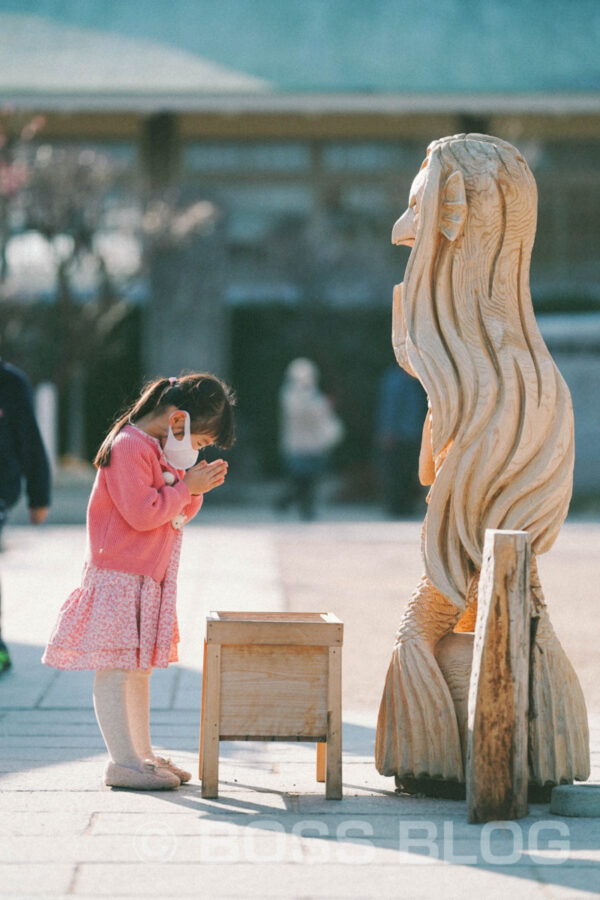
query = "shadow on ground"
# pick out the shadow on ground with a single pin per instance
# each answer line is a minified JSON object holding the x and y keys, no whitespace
{"x":63,"y":728}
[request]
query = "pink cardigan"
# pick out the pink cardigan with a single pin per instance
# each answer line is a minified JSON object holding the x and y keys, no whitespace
{"x":131,"y":508}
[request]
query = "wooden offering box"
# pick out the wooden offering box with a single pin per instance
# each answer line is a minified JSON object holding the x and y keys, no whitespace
{"x":273,"y":677}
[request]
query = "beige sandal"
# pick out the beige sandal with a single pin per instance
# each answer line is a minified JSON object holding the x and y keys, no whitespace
{"x":149,"y":776}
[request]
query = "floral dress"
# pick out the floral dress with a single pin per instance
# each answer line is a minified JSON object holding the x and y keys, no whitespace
{"x":117,"y":620}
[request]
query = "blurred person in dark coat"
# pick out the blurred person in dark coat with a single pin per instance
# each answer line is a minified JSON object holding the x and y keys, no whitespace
{"x":22,"y":458}
{"x":401,"y":410}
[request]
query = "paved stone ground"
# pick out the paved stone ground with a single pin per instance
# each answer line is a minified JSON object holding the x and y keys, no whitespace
{"x":271,"y":833}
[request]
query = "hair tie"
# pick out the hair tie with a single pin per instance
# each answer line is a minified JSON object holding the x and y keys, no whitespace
{"x":172,"y":380}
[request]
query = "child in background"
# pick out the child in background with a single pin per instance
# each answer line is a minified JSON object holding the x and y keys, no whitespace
{"x":122,"y":620}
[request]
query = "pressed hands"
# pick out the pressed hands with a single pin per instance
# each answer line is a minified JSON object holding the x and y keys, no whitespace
{"x":204,"y":476}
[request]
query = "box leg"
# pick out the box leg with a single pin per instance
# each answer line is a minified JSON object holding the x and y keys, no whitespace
{"x":321,"y":761}
{"x":333,"y":782}
{"x":211,"y":722}
{"x":203,"y":710}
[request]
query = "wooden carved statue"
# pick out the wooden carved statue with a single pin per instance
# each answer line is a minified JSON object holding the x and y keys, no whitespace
{"x":497,"y":450}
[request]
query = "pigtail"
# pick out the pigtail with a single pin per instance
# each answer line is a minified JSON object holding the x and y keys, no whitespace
{"x":149,"y":400}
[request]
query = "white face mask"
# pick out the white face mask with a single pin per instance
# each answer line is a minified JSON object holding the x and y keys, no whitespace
{"x":180,"y":454}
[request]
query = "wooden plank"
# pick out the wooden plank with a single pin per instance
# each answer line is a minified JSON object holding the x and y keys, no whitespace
{"x":497,"y":768}
{"x":321,"y":761}
{"x":292,"y":738}
{"x":316,"y":634}
{"x":202,"y":715}
{"x":270,"y":690}
{"x":210,"y":743}
{"x":333,"y":781}
{"x":230,"y":615}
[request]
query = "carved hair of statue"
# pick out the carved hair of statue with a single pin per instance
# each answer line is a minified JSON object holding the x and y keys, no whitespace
{"x":464,"y":325}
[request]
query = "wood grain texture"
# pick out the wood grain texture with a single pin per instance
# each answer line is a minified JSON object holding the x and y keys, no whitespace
{"x":202,"y":714}
{"x":333,"y":785}
{"x":316,"y":634}
{"x":417,"y":732}
{"x":278,"y":690}
{"x":559,"y":739}
{"x":502,"y":421}
{"x":321,"y":761}
{"x":497,"y":767}
{"x":211,"y":720}
{"x":501,"y":442}
{"x":454,"y":655}
{"x":273,"y":676}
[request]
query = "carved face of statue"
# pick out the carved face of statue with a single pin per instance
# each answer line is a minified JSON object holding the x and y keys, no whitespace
{"x":405,"y":229}
{"x":453,"y":207}
{"x":404,"y":233}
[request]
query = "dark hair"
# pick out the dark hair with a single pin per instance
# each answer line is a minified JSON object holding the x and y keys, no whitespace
{"x":207,"y":399}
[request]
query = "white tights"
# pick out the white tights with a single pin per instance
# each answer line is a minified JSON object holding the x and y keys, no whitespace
{"x":122,"y":706}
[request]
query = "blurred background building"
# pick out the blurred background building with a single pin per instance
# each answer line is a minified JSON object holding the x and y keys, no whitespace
{"x":212,"y":184}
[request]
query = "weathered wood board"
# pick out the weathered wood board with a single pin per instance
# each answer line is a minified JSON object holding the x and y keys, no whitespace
{"x":497,"y":767}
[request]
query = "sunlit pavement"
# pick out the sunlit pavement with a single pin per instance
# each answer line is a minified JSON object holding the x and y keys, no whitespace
{"x":271,"y":833}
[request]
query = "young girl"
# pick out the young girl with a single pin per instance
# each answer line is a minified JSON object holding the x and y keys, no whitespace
{"x":122,"y":620}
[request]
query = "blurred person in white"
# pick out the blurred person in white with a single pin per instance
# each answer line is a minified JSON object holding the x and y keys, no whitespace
{"x":309,"y":432}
